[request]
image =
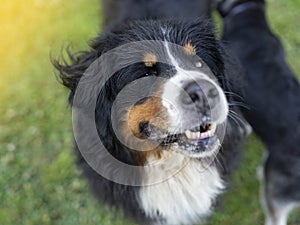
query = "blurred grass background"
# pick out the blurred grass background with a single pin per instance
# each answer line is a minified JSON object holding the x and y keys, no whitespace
{"x":39,"y":182}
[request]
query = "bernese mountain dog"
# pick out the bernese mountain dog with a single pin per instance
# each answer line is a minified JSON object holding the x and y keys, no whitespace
{"x":156,"y":114}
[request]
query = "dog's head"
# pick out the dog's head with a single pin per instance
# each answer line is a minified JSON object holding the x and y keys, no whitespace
{"x":167,"y":95}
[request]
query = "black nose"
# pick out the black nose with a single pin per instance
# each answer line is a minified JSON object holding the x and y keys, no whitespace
{"x":202,"y":94}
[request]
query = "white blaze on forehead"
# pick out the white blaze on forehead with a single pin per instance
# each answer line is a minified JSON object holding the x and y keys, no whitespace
{"x":174,"y":86}
{"x":171,"y":57}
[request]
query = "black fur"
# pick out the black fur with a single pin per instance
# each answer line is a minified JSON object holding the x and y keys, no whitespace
{"x":120,"y":11}
{"x":137,"y":26}
{"x":272,"y":93}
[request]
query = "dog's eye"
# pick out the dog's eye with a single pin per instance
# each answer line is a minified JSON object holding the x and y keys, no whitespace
{"x":199,"y":64}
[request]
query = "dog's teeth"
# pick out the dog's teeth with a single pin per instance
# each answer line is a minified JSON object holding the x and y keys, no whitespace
{"x":192,"y":135}
{"x":198,"y":135}
{"x":189,"y":134}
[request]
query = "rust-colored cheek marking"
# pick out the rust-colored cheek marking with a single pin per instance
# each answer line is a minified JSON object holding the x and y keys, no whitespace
{"x":143,"y":113}
{"x":190,"y":49}
{"x":152,"y":111}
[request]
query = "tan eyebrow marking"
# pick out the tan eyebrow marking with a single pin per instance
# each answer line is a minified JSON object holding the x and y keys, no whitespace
{"x":150,"y":59}
{"x":189,"y":48}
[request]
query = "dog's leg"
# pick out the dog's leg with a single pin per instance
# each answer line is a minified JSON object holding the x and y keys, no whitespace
{"x":276,"y":209}
{"x":276,"y":203}
{"x":272,"y":93}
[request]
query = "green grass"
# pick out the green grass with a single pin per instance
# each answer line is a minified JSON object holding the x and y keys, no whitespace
{"x":39,"y":181}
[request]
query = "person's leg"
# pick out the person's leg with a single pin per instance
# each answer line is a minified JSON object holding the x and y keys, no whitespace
{"x":272,"y":93}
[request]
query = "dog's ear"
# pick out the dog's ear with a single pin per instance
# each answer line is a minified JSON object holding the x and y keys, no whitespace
{"x":71,"y":68}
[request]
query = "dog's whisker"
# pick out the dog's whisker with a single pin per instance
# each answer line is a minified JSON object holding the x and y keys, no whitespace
{"x":238,"y":121}
{"x":217,"y":160}
{"x":240,"y":104}
{"x":234,"y":94}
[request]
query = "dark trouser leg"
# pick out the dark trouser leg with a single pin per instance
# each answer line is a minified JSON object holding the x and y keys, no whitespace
{"x":272,"y":93}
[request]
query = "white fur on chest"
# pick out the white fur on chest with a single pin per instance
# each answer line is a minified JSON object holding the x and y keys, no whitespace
{"x":185,"y":198}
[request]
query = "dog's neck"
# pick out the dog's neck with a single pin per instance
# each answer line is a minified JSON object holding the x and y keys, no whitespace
{"x":184,"y":198}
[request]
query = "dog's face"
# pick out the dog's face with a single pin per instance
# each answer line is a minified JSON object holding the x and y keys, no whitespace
{"x":183,"y":110}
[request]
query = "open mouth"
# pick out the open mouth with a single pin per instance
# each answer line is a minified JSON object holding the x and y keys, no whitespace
{"x":197,"y":139}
